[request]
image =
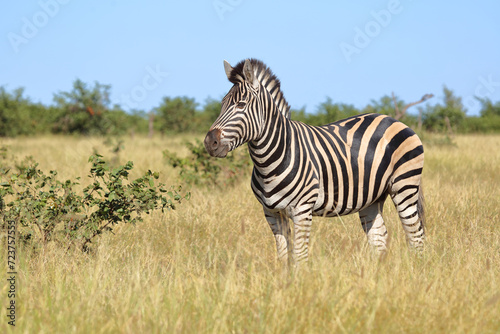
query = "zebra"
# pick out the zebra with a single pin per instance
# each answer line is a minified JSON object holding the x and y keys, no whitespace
{"x":300,"y":171}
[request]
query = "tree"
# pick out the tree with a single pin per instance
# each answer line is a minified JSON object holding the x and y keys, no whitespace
{"x":385,"y":105}
{"x":176,"y":114}
{"x":20,"y":116}
{"x":488,"y":109}
{"x":488,"y":122}
{"x":447,"y":116}
{"x":299,"y":115}
{"x":329,"y":112}
{"x":211,"y":110}
{"x":84,"y":110}
{"x":118,"y":122}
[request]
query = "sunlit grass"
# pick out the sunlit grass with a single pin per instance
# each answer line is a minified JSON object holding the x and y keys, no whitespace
{"x":210,"y":266}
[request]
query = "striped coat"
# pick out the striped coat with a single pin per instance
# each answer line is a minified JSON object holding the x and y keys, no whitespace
{"x":301,"y":171}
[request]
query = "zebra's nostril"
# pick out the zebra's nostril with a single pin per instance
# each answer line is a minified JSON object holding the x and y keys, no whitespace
{"x":212,"y":140}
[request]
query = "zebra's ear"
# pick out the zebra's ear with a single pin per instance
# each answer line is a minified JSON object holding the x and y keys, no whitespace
{"x":228,"y":68}
{"x":249,"y":74}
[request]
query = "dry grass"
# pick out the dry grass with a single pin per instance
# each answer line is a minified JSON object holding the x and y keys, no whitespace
{"x":210,"y":266}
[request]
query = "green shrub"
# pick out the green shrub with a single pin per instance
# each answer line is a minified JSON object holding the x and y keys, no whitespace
{"x":483,"y":124}
{"x":46,"y":209}
{"x":437,"y":139}
{"x":199,"y":168}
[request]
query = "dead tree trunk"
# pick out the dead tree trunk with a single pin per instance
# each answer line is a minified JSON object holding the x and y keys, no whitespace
{"x":420,"y":112}
{"x":151,"y":121}
{"x":448,"y":126}
{"x":401,"y":113}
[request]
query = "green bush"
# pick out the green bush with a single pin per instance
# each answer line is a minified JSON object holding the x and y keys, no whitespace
{"x":20,"y":116}
{"x":46,"y":209}
{"x":176,"y":114}
{"x":199,"y":168}
{"x":447,"y":116}
{"x":487,"y":123}
{"x":437,"y":139}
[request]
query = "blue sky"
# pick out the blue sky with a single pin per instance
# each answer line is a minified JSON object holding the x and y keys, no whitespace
{"x":351,"y":51}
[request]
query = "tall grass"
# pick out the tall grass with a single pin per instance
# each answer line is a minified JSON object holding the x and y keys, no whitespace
{"x":210,"y":266}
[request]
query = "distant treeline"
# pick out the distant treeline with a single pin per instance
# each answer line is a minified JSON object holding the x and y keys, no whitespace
{"x":87,"y":110}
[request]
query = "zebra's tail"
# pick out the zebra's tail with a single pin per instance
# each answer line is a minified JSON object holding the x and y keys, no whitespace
{"x":420,"y":206}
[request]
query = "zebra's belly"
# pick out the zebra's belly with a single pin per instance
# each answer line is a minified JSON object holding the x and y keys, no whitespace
{"x":331,"y":203}
{"x":326,"y":200}
{"x":333,"y":212}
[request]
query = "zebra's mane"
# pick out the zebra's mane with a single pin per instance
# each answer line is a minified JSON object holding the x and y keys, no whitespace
{"x":267,"y":78}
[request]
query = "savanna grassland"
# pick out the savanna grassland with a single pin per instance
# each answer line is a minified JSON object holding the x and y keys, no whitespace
{"x":210,"y":266}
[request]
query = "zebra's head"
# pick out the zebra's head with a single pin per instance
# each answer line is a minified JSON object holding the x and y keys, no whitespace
{"x":245,"y":107}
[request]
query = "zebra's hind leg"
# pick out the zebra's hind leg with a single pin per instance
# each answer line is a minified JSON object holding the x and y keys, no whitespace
{"x":374,"y":226}
{"x":409,"y":201}
{"x":280,"y":227}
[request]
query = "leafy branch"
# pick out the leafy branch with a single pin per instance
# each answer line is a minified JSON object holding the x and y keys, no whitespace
{"x":199,"y":168}
{"x":47,"y":209}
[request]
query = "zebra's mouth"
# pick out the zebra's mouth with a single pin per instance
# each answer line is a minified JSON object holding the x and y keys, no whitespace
{"x":214,"y":144}
{"x":220,"y":152}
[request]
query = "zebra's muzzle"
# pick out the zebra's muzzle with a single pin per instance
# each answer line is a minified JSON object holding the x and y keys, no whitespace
{"x":214,"y":145}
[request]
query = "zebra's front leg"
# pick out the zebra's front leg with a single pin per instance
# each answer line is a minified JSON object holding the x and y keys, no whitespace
{"x":281,"y":229}
{"x":302,"y":222}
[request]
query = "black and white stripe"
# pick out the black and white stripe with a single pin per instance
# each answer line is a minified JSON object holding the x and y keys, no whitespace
{"x":301,"y":171}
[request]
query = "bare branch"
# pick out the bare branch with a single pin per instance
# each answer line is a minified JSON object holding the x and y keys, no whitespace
{"x":403,"y":112}
{"x":397,"y":116}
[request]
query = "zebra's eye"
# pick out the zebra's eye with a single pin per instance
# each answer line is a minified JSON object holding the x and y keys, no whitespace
{"x":241,"y":105}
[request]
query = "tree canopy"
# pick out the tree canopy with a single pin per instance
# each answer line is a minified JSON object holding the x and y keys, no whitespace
{"x":86,"y":110}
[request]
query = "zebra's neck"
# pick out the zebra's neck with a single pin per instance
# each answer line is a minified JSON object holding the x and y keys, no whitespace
{"x":273,"y":145}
